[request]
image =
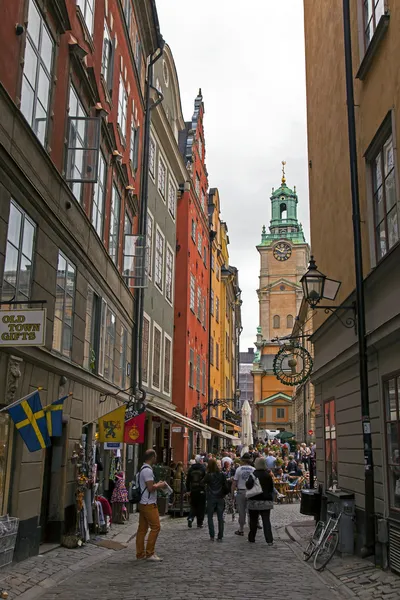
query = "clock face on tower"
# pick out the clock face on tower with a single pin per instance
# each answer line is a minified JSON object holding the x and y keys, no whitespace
{"x":282,"y":251}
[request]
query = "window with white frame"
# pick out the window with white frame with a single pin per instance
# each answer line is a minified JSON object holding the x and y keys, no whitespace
{"x":192,"y":292}
{"x":37,"y":73}
{"x":107,"y":58}
{"x":87,"y":10}
{"x":169,"y":274}
{"x":149,"y":244}
{"x":212,"y":262}
{"x":64,"y":306}
{"x":167,"y":364}
{"x":216,"y":355}
{"x":99,"y":197}
{"x":211,"y":350}
{"x":203,"y":378}
{"x":145,"y":349}
{"x":194,"y":230}
{"x":199,"y":242}
{"x":92,"y":325}
{"x":197,"y":185}
{"x":217,"y":309}
{"x":212,"y":302}
{"x":200,"y":142}
{"x":76,"y":109}
{"x":157,"y":348}
{"x":385,"y":197}
{"x":191,"y":368}
{"x":199,"y":304}
{"x":204,"y":320}
{"x":373,"y":11}
{"x":113,"y":240}
{"x":205,"y":256}
{"x":162,"y":177}
{"x":123,"y":357}
{"x":171,"y":199}
{"x":152,"y":157}
{"x":18,"y":264}
{"x":122,"y":107}
{"x":134,"y":146}
{"x":198,"y":375}
{"x":109,"y":344}
{"x":159,"y":260}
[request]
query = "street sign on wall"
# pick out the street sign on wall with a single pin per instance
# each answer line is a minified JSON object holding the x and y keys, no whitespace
{"x":23,"y":327}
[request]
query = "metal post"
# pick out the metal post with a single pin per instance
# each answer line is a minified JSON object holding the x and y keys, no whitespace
{"x":181,"y":500}
{"x":369,"y":547}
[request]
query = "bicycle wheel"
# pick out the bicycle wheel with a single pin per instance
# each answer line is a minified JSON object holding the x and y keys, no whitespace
{"x":313,"y":543}
{"x":309,"y":551}
{"x":327,"y":549}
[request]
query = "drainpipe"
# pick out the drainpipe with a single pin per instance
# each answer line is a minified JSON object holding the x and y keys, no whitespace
{"x":212,"y":238}
{"x":369,"y":547}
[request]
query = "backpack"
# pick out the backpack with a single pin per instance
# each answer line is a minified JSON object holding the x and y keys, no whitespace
{"x":135,"y":493}
{"x":196,"y":477}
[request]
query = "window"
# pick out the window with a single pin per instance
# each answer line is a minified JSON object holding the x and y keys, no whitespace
{"x":107,"y":61}
{"x":261,"y":413}
{"x":122,"y":108}
{"x":276,"y":322}
{"x":192,"y":292}
{"x":157,"y":343}
{"x":217,"y":356}
{"x":280,"y":413}
{"x":385,"y":201}
{"x":217,"y":273}
{"x":204,"y":312}
{"x":289,"y":321}
{"x":138,"y":54}
{"x":199,"y":305}
{"x":373,"y":11}
{"x":191,"y":367}
{"x":92,"y":326}
{"x":203,"y":377}
{"x":145,"y":350}
{"x":152,"y":157}
{"x":217,"y":309}
{"x":76,"y":159}
{"x":134,"y":146}
{"x":212,"y":302}
{"x":197,"y":185}
{"x":211,"y":350}
{"x":149,"y":244}
{"x":127,"y":223}
{"x":128,"y":12}
{"x":169,"y":274}
{"x":37,"y":75}
{"x":330,"y":444}
{"x":18,"y":265}
{"x":159,"y":261}
{"x":162,"y":177}
{"x":87,"y":10}
{"x":392,"y":415}
{"x":99,"y":197}
{"x":212,"y":262}
{"x":167,"y":364}
{"x":198,"y":366}
{"x":200,"y":142}
{"x":123,"y":354}
{"x":227,"y":346}
{"x":171,"y":199}
{"x":114,"y":225}
{"x":194,"y":230}
{"x":227,"y":387}
{"x":64,"y":307}
{"x":199,"y":242}
{"x":205,"y":256}
{"x":109,"y":345}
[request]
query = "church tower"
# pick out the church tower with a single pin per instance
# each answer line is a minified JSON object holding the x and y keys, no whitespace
{"x":284,"y":256}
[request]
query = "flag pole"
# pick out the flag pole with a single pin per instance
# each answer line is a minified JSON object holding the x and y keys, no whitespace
{"x":39,"y":389}
{"x":65,"y":396}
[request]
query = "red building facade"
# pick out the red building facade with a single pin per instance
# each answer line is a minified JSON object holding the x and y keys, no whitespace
{"x":190,"y":369}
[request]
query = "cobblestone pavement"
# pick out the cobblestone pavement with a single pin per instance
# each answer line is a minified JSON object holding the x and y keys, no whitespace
{"x":195,"y":568}
{"x":353,"y":576}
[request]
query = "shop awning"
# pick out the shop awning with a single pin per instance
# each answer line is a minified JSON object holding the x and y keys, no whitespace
{"x":227,"y":423}
{"x":174,"y":416}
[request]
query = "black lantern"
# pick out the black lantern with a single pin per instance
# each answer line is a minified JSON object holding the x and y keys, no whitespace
{"x":316,"y":285}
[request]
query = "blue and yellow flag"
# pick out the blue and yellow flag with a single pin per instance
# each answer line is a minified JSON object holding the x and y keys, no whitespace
{"x":54,"y":413}
{"x":29,"y":418}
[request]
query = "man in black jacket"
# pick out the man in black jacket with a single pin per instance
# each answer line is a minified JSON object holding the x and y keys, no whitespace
{"x":195,"y":487}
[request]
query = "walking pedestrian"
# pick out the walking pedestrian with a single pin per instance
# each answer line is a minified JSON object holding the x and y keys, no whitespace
{"x":239,"y":483}
{"x":148,"y":510}
{"x":195,"y":488}
{"x":216,"y":487}
{"x":229,"y":472}
{"x":261,"y":504}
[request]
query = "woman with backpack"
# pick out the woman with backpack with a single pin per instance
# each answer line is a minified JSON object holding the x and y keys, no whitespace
{"x":261,"y":503}
{"x":216,"y":490}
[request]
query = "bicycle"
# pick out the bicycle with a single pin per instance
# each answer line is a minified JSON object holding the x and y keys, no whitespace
{"x":324,"y":542}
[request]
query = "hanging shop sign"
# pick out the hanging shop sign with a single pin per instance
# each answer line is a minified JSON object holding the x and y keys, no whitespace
{"x":206,"y":435}
{"x":292,"y":364}
{"x":112,"y":445}
{"x":176,"y":429}
{"x":23,"y":327}
{"x":134,"y":429}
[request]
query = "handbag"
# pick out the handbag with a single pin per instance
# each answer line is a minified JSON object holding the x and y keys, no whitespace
{"x":255,"y":489}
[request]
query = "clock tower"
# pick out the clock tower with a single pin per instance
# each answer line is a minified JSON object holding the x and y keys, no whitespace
{"x":284,"y":256}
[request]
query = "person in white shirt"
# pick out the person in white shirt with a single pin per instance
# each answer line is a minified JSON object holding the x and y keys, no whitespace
{"x":148,"y":509}
{"x":239,"y":483}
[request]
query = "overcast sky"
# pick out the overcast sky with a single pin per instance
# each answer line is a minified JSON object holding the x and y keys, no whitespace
{"x":248,"y":59}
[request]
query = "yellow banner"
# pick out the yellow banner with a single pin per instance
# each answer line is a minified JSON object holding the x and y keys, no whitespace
{"x":111,"y":426}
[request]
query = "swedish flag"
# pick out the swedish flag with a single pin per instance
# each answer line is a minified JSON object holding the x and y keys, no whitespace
{"x":29,"y":418}
{"x":54,"y":414}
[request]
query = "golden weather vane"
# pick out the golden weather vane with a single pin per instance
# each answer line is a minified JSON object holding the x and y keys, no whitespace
{"x":283,"y":172}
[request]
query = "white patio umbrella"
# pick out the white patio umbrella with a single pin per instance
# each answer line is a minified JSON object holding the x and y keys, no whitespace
{"x":247,"y":427}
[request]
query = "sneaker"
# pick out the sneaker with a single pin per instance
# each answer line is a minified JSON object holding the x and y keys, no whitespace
{"x":270,"y":543}
{"x":239,"y":532}
{"x":219,"y":539}
{"x":154,"y":558}
{"x":200,"y":526}
{"x":190,"y":522}
{"x":211,"y":539}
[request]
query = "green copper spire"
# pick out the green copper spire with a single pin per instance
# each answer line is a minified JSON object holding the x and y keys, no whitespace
{"x":284,"y":223}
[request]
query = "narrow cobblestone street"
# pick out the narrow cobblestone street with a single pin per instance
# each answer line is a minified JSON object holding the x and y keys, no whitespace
{"x":195,"y":568}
